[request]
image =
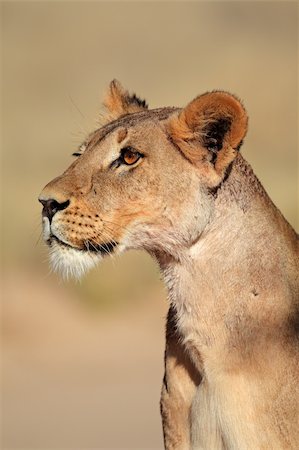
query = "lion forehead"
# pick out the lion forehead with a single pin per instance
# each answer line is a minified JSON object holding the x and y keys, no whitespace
{"x":128,"y":121}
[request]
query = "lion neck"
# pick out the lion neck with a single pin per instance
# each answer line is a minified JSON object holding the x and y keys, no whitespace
{"x":219,"y":282}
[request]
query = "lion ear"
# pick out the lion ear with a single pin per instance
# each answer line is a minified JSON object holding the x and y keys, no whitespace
{"x":209,"y":132}
{"x":119,"y":102}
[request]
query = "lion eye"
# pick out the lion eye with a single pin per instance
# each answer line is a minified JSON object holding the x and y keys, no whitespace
{"x":129,"y":156}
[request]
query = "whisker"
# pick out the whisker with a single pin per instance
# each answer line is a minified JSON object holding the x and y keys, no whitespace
{"x":107,"y":236}
{"x":39,"y":239}
{"x":86,"y":243}
{"x":76,"y":107}
{"x":168,"y":246}
{"x":117,"y":225}
{"x":37,"y":226}
{"x":101,"y":247}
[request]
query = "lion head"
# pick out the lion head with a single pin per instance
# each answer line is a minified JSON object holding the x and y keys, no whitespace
{"x":145,"y":179}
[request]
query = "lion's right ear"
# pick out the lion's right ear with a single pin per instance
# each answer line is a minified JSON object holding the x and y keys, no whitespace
{"x":209,"y":132}
{"x":119,"y":102}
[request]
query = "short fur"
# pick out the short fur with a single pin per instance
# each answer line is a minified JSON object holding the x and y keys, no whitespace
{"x":227,"y":255}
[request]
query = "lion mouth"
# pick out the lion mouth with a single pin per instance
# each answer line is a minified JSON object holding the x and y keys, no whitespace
{"x":88,"y":246}
{"x":104,"y":248}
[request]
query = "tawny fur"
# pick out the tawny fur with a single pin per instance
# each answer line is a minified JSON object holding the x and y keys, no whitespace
{"x":228,"y":257}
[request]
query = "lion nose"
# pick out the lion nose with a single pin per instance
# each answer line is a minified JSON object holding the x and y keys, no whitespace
{"x":51,"y":206}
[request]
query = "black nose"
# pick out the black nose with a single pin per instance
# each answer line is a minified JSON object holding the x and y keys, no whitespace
{"x":51,"y":206}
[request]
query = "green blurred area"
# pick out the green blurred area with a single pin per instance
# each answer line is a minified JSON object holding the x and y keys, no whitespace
{"x":57,"y":59}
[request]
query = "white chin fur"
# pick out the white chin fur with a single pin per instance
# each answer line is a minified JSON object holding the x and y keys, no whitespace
{"x":71,"y":263}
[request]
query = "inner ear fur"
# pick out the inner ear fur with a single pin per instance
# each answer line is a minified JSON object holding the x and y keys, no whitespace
{"x":119,"y":102}
{"x":209,"y":131}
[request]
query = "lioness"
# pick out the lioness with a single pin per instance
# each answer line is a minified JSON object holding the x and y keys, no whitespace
{"x":172,"y":181}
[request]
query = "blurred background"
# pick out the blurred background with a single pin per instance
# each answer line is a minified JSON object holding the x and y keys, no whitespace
{"x":82,"y":363}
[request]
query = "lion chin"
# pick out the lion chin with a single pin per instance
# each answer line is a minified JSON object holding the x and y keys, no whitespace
{"x":70,"y":262}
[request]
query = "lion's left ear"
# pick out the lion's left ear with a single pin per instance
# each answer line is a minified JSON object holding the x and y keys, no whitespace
{"x":120,"y":102}
{"x":209,"y":132}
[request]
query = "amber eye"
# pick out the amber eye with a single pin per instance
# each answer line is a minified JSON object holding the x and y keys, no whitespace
{"x":129,"y":156}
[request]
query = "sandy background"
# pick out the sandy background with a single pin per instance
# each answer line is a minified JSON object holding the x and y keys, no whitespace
{"x":81,"y":364}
